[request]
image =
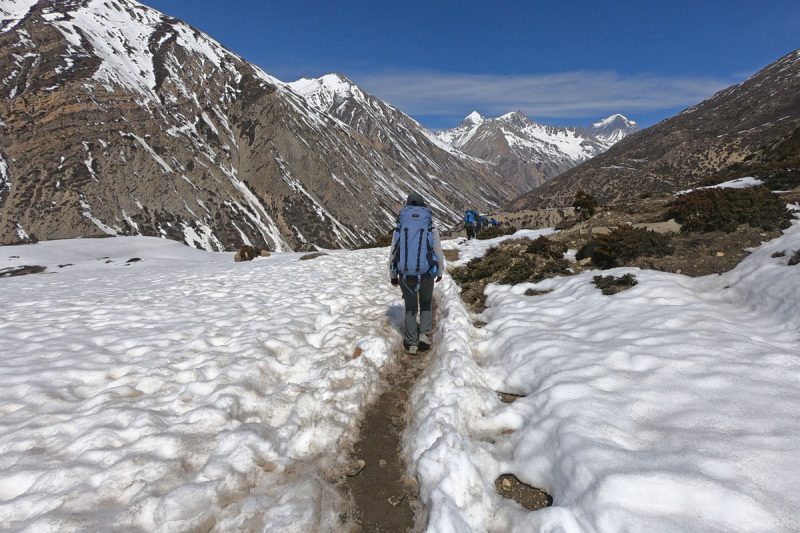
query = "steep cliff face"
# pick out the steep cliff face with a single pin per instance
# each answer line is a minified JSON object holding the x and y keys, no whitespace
{"x":750,"y":127}
{"x":117,"y":119}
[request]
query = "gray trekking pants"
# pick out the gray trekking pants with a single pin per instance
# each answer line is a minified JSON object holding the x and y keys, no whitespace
{"x":417,"y":300}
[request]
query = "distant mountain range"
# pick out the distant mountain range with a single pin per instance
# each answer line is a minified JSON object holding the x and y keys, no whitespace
{"x":118,"y":120}
{"x":529,"y":154}
{"x":749,"y":128}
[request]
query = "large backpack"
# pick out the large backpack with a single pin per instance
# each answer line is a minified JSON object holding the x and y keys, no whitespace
{"x":469,"y":218}
{"x":413,"y":252}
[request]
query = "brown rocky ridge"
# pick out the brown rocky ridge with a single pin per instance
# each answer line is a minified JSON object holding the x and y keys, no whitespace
{"x":752,"y":128}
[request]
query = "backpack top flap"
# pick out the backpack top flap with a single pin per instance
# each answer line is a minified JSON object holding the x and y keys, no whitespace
{"x":415,"y":243}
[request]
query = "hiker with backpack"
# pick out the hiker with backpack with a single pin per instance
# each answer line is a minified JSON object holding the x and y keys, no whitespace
{"x":469,"y":223}
{"x":416,"y":261}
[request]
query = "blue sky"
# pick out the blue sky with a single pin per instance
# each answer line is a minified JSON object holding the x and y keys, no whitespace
{"x":564,"y":62}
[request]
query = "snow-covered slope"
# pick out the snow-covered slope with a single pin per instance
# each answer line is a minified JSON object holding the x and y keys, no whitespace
{"x":529,"y":153}
{"x":672,"y":406}
{"x":146,"y":126}
{"x":183,"y":391}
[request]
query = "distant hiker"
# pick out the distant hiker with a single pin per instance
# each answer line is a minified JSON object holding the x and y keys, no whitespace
{"x":479,"y":223}
{"x":470,"y":220}
{"x":415,"y":261}
{"x":493,"y":221}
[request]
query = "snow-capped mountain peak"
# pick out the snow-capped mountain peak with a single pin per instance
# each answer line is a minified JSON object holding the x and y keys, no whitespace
{"x":473,"y":118}
{"x":529,"y":153}
{"x":612,"y":129}
{"x":326,"y":90}
{"x":615,"y":119}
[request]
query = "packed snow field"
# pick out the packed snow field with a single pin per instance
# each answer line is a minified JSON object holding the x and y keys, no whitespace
{"x":672,"y":406}
{"x":184,"y":390}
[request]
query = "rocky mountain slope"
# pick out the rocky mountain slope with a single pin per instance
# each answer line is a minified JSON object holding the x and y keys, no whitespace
{"x":751,"y":127}
{"x":117,"y":119}
{"x":529,"y":154}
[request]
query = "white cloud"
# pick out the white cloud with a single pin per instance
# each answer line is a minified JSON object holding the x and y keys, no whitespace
{"x":566,"y":94}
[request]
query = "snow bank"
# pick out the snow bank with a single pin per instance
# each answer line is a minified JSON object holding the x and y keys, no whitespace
{"x":739,"y":183}
{"x":472,"y":249}
{"x":184,"y":391}
{"x":671,"y":406}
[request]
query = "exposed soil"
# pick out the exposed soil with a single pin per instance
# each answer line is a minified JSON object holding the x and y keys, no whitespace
{"x":531,"y":498}
{"x":312,"y":255}
{"x":384,"y":497}
{"x":450,"y":255}
{"x":508,"y":397}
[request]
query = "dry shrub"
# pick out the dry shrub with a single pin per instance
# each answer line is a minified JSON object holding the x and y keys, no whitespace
{"x":514,"y":261}
{"x":625,"y":244}
{"x":612,"y":285}
{"x":490,"y":232}
{"x":725,"y":209}
{"x":585,"y":204}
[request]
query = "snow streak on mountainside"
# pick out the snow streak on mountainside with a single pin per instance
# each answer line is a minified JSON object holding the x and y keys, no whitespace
{"x":117,"y":119}
{"x":528,"y":153}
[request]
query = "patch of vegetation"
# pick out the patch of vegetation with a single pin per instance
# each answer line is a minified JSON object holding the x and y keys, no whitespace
{"x":585,"y":204}
{"x":795,"y":259}
{"x":512,"y":262}
{"x":625,"y":244}
{"x":491,"y":232}
{"x":782,"y":180}
{"x":612,"y":285}
{"x":547,"y":248}
{"x":567,"y":223}
{"x":725,"y":209}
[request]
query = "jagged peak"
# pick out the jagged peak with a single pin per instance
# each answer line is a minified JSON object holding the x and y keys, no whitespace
{"x":513,"y":116}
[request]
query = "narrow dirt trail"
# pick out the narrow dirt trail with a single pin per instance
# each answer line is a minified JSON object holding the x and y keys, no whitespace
{"x":384,"y":499}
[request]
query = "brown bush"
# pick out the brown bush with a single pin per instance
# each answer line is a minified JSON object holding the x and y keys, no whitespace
{"x":585,"y":204}
{"x":624,"y":244}
{"x":612,"y":285}
{"x":514,"y":261}
{"x":725,"y":209}
{"x":490,"y":232}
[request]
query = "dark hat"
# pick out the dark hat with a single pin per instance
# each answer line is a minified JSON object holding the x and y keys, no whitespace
{"x":415,"y":199}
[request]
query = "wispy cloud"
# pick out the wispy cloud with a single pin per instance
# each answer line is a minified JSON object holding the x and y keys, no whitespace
{"x":565,"y":94}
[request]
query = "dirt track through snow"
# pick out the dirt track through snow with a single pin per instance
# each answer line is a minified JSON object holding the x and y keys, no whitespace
{"x":385,"y":498}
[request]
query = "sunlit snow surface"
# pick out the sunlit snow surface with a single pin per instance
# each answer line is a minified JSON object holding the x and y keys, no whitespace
{"x":739,"y":183}
{"x":183,"y":391}
{"x":671,"y":406}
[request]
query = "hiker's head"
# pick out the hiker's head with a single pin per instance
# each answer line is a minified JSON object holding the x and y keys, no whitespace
{"x":415,"y":199}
